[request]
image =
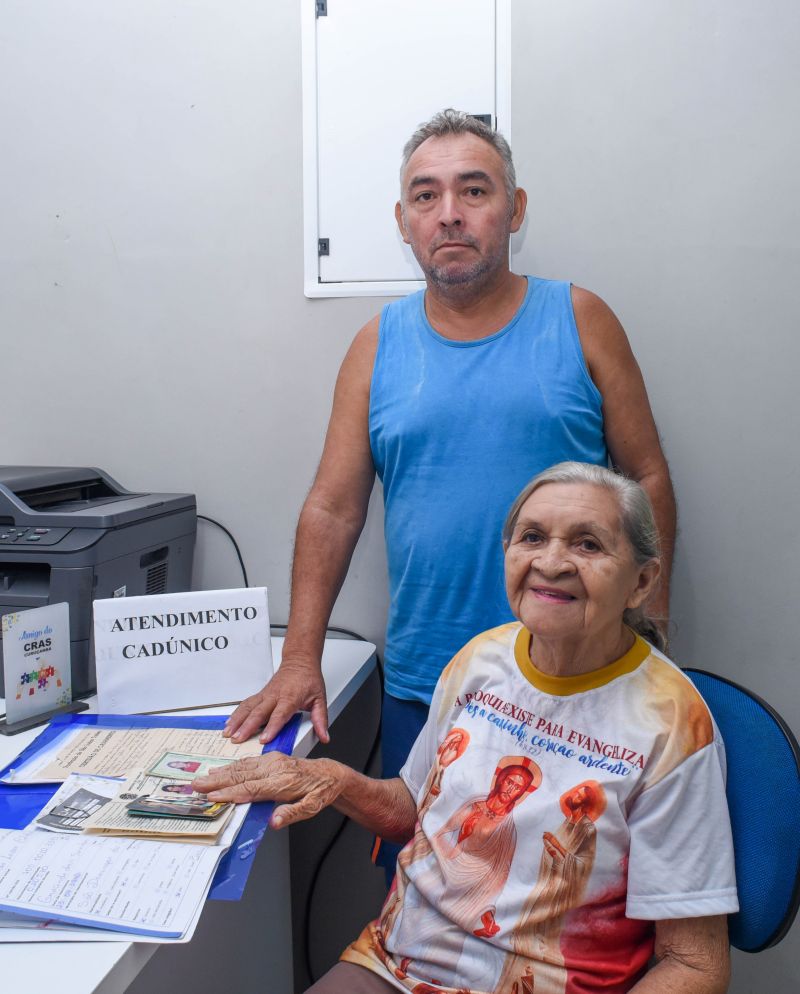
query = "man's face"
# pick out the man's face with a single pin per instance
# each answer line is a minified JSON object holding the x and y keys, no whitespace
{"x":512,"y":785}
{"x":455,"y":212}
{"x":579,"y":798}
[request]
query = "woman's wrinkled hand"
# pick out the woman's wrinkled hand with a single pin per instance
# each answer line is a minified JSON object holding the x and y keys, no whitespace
{"x":302,"y":787}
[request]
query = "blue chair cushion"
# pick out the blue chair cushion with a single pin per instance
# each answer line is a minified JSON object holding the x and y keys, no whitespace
{"x":763,"y":789}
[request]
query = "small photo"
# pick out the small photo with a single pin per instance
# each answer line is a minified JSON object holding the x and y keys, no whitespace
{"x":174,"y":807}
{"x":71,"y":813}
{"x":181,"y":766}
{"x":183,"y":789}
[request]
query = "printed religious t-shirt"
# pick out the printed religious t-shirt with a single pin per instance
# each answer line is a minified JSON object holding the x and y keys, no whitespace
{"x":558,"y":818}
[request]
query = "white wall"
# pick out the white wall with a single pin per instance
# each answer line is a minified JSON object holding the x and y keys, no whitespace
{"x":663,"y":174}
{"x":151,"y":306}
{"x":659,"y":148}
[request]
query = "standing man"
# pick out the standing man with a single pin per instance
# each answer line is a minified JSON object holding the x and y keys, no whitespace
{"x":456,"y":396}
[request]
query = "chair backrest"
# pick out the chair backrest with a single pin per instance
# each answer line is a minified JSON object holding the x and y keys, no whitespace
{"x":763,"y":791}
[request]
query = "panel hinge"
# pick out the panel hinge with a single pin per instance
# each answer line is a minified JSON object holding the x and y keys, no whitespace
{"x":323,"y":246}
{"x":484,"y":119}
{"x":321,"y":7}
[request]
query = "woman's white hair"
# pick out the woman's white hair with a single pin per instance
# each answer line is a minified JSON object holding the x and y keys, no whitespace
{"x":636,"y":517}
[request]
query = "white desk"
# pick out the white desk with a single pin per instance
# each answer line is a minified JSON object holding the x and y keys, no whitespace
{"x":234,"y":931}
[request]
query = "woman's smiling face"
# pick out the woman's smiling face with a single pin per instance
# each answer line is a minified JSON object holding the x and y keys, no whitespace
{"x":570,"y":569}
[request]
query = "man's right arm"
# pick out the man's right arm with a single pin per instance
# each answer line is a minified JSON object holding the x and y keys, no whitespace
{"x":330,"y":524}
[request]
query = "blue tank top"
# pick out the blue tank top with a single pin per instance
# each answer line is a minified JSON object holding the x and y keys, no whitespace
{"x":456,"y":430}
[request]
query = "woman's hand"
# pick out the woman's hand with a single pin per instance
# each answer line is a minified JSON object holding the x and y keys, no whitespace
{"x":302,"y":786}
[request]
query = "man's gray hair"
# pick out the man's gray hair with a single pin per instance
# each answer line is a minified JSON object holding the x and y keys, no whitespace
{"x":636,"y":516}
{"x":455,"y":122}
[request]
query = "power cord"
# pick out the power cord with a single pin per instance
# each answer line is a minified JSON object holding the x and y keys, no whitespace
{"x":205,"y":517}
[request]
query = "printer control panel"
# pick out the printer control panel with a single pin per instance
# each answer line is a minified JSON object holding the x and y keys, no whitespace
{"x":10,"y":535}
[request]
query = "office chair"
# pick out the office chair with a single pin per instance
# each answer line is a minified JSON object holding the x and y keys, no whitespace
{"x":763,"y":789}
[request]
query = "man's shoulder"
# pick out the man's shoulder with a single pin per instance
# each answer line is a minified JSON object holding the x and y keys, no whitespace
{"x":601,"y":334}
{"x":361,"y":354}
{"x":593,"y":316}
{"x":587,"y":303}
{"x":368,"y":334}
{"x":394,"y":314}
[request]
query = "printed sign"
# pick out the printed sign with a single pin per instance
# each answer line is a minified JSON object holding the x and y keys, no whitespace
{"x":36,"y":661}
{"x":184,"y":650}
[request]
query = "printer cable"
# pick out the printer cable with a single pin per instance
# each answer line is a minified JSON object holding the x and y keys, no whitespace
{"x":205,"y":517}
{"x":345,"y":820}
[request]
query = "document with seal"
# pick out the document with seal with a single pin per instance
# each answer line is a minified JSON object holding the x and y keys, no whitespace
{"x":117,"y":752}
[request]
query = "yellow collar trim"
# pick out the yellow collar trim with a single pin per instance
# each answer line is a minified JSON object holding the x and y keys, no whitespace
{"x":563,"y":686}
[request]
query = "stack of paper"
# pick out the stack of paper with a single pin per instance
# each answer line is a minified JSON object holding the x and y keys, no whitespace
{"x":108,"y":806}
{"x":88,"y":861}
{"x":145,"y":889}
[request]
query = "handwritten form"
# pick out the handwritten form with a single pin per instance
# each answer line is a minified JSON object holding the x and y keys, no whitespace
{"x":140,"y":887}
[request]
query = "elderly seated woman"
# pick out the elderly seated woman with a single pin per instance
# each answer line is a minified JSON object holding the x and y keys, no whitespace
{"x":564,"y":806}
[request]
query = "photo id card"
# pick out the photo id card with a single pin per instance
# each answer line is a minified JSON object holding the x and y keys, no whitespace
{"x":182,"y":766}
{"x":151,"y":807}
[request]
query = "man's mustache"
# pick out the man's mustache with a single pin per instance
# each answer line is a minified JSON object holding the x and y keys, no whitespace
{"x":453,"y":238}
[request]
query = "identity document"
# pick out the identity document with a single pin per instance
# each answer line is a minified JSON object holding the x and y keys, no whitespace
{"x":116,"y":752}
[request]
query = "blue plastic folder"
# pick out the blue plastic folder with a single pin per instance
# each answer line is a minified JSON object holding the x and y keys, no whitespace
{"x":20,"y":803}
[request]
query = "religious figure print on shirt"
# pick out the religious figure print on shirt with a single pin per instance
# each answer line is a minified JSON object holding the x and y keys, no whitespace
{"x":451,"y":748}
{"x":528,"y":870}
{"x":469,"y":857}
{"x":566,"y":863}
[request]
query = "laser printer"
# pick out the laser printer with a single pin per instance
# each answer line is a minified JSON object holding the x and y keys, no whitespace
{"x":74,"y":534}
